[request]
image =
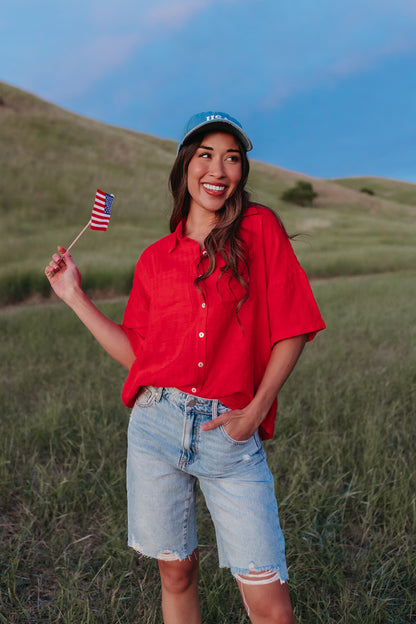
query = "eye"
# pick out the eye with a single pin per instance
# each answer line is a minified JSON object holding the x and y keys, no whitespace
{"x":204,"y":155}
{"x":235,"y":158}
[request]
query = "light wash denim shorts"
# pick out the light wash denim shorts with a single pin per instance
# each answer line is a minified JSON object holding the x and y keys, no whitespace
{"x":167,"y":453}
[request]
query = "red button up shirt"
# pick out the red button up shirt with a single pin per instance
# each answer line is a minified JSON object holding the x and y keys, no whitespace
{"x":194,"y":341}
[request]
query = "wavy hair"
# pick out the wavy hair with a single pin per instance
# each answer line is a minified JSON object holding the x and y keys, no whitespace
{"x":224,"y":237}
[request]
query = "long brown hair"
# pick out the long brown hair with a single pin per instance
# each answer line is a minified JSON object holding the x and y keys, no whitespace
{"x":224,"y":237}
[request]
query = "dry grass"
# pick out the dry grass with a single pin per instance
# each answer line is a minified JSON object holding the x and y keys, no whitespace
{"x":343,"y":454}
{"x":343,"y":458}
{"x":52,"y":161}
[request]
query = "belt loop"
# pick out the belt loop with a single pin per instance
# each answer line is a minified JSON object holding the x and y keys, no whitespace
{"x":214,"y":408}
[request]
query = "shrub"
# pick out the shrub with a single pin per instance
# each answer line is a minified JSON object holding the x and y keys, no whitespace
{"x":301,"y":194}
{"x":367,"y":190}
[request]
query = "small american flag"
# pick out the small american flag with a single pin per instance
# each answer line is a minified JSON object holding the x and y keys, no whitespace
{"x":100,"y":217}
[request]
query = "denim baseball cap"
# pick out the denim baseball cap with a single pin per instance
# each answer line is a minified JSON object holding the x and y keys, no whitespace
{"x":214,"y":121}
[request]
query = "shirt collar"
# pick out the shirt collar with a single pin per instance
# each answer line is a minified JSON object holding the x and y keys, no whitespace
{"x":251,"y":210}
{"x":178,"y":235}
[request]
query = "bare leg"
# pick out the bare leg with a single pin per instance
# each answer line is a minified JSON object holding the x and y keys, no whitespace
{"x":180,"y":602}
{"x":266,"y":603}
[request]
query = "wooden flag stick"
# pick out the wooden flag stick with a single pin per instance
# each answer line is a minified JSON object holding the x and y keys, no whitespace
{"x":75,"y":240}
{"x":79,"y":236}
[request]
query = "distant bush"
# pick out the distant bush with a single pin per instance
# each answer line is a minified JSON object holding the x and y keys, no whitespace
{"x":17,"y":287}
{"x":301,"y":194}
{"x":367,"y":190}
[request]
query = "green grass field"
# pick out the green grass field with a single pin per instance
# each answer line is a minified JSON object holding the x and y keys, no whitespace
{"x":52,"y":161}
{"x":343,"y":458}
{"x":343,"y":453}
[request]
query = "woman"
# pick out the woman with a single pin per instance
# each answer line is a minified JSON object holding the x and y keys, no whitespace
{"x":219,"y":313}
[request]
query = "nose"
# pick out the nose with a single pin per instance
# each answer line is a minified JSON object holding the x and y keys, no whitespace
{"x":217,"y":168}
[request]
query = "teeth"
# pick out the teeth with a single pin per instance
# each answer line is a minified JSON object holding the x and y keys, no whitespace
{"x":214,"y":187}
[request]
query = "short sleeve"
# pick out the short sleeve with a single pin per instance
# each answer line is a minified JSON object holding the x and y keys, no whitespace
{"x":292,"y":308}
{"x":136,"y":314}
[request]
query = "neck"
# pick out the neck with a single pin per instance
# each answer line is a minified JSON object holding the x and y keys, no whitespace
{"x":198,"y":226}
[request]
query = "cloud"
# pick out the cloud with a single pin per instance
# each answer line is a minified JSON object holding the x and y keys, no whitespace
{"x":147,"y":19}
{"x":91,"y":61}
{"x":175,"y":14}
{"x":260,"y":51}
{"x":116,"y":33}
{"x":350,"y":40}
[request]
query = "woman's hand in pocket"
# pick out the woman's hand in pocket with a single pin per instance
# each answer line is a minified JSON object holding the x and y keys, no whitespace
{"x":240,"y":424}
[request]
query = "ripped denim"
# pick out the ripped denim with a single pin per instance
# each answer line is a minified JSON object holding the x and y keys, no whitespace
{"x":167,"y":454}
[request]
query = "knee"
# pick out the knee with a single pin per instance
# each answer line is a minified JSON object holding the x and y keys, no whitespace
{"x":177,"y":576}
{"x":273,"y":614}
{"x":266,"y":602}
{"x":283,"y":616}
{"x":286,"y":618}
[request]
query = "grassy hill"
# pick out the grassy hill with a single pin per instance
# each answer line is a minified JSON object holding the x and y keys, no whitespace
{"x":394,"y":190}
{"x":52,"y":161}
{"x":343,"y":454}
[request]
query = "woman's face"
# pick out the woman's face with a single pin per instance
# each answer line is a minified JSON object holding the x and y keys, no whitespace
{"x":214,"y":172}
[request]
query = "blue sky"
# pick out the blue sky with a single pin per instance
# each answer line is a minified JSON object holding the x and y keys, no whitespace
{"x":323,"y":87}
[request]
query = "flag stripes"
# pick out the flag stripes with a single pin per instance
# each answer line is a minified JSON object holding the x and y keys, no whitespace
{"x":100,"y":216}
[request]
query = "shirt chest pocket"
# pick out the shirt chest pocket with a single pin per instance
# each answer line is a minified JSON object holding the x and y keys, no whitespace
{"x":171,"y":295}
{"x":227,"y":290}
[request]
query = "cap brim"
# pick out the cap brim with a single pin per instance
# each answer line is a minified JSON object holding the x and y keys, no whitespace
{"x":223,"y":126}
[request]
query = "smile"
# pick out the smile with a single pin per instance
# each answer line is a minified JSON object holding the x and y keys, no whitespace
{"x":214,"y":187}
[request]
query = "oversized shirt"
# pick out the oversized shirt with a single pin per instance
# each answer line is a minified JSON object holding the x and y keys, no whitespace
{"x":194,"y":340}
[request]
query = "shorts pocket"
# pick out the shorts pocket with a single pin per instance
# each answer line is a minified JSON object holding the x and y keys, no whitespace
{"x":222,"y":409}
{"x":147,"y":396}
{"x":230,"y":439}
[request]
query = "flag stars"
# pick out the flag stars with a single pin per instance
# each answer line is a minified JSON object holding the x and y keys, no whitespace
{"x":100,"y":216}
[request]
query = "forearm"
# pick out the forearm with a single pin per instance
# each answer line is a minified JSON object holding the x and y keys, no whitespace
{"x":282,"y":361}
{"x":108,"y":333}
{"x":65,"y":280}
{"x":242,"y":423}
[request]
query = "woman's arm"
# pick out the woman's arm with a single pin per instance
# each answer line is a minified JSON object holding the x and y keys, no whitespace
{"x":65,"y":279}
{"x":242,"y":423}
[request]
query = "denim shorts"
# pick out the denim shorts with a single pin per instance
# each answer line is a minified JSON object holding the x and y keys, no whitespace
{"x":167,"y":454}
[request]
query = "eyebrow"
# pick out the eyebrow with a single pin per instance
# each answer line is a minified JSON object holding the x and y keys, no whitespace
{"x":212,"y":149}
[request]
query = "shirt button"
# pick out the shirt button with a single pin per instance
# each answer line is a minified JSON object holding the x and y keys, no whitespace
{"x":203,"y":305}
{"x":201,"y":334}
{"x":193,"y":389}
{"x":205,"y":253}
{"x":200,"y":364}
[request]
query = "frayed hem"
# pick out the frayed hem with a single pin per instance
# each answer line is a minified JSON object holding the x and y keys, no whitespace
{"x":261,"y":578}
{"x":255,"y":578}
{"x":164,"y":555}
{"x":259,"y":575}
